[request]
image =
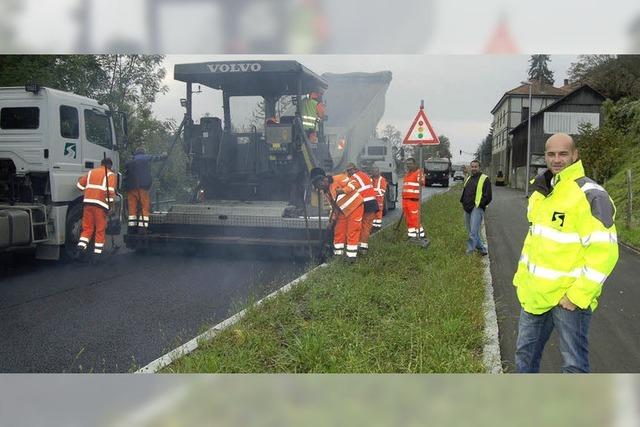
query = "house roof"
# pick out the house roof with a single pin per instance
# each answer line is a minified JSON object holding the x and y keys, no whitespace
{"x":537,"y":90}
{"x":579,"y":87}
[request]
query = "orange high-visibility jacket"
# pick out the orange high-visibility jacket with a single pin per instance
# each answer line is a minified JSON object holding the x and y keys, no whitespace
{"x":362,"y":183}
{"x":94,"y":185}
{"x":380,"y":187}
{"x":348,"y":201}
{"x":411,"y":186}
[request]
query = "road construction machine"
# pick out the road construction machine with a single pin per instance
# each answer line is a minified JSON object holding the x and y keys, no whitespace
{"x":253,"y":190}
{"x":355,"y":105}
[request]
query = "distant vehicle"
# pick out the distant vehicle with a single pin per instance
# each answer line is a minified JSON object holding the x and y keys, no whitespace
{"x":437,"y":171}
{"x":458,"y":176}
{"x":500,"y":179}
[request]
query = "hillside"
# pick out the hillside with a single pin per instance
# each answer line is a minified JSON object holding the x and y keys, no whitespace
{"x":617,"y":188}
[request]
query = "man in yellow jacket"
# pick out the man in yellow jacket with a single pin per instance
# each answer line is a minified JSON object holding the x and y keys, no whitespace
{"x":567,"y":255}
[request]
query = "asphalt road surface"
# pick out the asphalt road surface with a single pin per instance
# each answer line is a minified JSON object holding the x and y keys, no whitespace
{"x":125,"y":313}
{"x":615,"y":325}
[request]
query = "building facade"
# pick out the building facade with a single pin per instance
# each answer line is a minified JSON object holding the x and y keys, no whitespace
{"x":509,"y":112}
{"x":580,"y":106}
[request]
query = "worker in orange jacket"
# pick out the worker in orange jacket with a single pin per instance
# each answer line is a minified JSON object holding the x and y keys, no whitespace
{"x":99,"y":187}
{"x":413,"y":181}
{"x":347,"y":211}
{"x":380,"y":187}
{"x":363,"y":184}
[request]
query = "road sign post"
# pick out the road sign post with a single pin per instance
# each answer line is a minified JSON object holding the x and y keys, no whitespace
{"x":421,"y":133}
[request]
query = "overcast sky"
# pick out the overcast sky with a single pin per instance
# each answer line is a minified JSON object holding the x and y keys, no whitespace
{"x":459,"y":90}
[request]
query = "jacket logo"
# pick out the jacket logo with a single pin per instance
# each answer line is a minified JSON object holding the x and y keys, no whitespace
{"x":558,"y":216}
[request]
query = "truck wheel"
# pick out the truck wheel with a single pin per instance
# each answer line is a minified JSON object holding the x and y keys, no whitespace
{"x":73,"y":227}
{"x":445,"y":184}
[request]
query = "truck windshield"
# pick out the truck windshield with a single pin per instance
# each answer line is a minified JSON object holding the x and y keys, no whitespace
{"x":436,"y":166}
{"x":98,"y":128}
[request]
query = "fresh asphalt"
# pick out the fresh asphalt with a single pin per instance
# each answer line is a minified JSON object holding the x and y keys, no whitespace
{"x":615,"y":325}
{"x":128,"y":311}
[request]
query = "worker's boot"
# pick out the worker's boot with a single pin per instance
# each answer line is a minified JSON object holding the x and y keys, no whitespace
{"x":351,"y":260}
{"x":363,"y":251}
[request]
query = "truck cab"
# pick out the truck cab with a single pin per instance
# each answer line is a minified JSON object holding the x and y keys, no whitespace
{"x":379,"y":153}
{"x":48,"y":140}
{"x":437,"y":171}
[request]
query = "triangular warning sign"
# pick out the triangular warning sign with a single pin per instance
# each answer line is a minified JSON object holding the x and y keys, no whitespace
{"x":421,"y":131}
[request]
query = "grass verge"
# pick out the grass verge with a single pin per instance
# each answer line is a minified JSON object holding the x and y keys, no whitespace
{"x":400,"y":309}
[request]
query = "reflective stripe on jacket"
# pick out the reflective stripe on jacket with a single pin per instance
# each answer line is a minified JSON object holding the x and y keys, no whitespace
{"x":94,"y":185}
{"x":572,"y":244}
{"x":363,"y":184}
{"x":411,"y":185}
{"x":380,"y":187}
{"x":309,"y":113}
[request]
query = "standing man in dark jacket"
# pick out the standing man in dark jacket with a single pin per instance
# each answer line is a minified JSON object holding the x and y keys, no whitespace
{"x":138,"y":182}
{"x":475,"y":198}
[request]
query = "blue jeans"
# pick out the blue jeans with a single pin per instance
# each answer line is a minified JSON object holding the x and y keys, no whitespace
{"x":573,"y":332}
{"x":473,"y":221}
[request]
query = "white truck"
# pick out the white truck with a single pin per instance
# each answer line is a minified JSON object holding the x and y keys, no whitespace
{"x":355,"y":104}
{"x":48,"y":139}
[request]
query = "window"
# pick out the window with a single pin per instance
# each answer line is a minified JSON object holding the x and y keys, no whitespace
{"x":20,"y":118}
{"x":525,"y":113}
{"x":97,"y":128}
{"x":377,"y":151}
{"x":69,"y":125}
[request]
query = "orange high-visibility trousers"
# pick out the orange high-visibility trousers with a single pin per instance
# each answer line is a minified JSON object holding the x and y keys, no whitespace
{"x":347,"y":231}
{"x":411,"y":209}
{"x":365,"y":232}
{"x":139,"y":217}
{"x":94,"y":220}
{"x":377,"y":220}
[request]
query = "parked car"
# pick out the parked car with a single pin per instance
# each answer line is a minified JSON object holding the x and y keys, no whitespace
{"x":458,"y":176}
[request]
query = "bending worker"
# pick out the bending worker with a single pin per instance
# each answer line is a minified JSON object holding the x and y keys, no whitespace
{"x":413,"y":181}
{"x":99,"y":187}
{"x":347,"y":209}
{"x":380,"y":187}
{"x":138,"y":182}
{"x":363,"y":184}
{"x":312,"y":110}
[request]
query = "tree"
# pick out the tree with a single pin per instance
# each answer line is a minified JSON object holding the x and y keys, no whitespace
{"x":539,"y":70}
{"x":127,"y":83}
{"x":483,"y":152}
{"x":283,"y":106}
{"x":615,"y":77}
{"x":443,"y":150}
{"x":393,"y":135}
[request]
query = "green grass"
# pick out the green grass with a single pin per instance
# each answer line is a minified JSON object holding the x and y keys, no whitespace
{"x":400,"y":309}
{"x":617,"y":188}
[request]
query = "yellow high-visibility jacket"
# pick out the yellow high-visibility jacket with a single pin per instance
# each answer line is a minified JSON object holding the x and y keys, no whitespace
{"x":572,"y":244}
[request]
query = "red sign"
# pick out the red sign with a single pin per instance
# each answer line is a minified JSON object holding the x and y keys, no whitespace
{"x":421,"y":131}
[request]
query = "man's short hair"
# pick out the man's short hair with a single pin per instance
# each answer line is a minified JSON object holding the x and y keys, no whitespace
{"x":106,"y":162}
{"x":475,"y":161}
{"x":410,"y":158}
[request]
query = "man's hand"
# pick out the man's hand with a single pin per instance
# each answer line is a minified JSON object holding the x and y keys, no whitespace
{"x":567,"y":304}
